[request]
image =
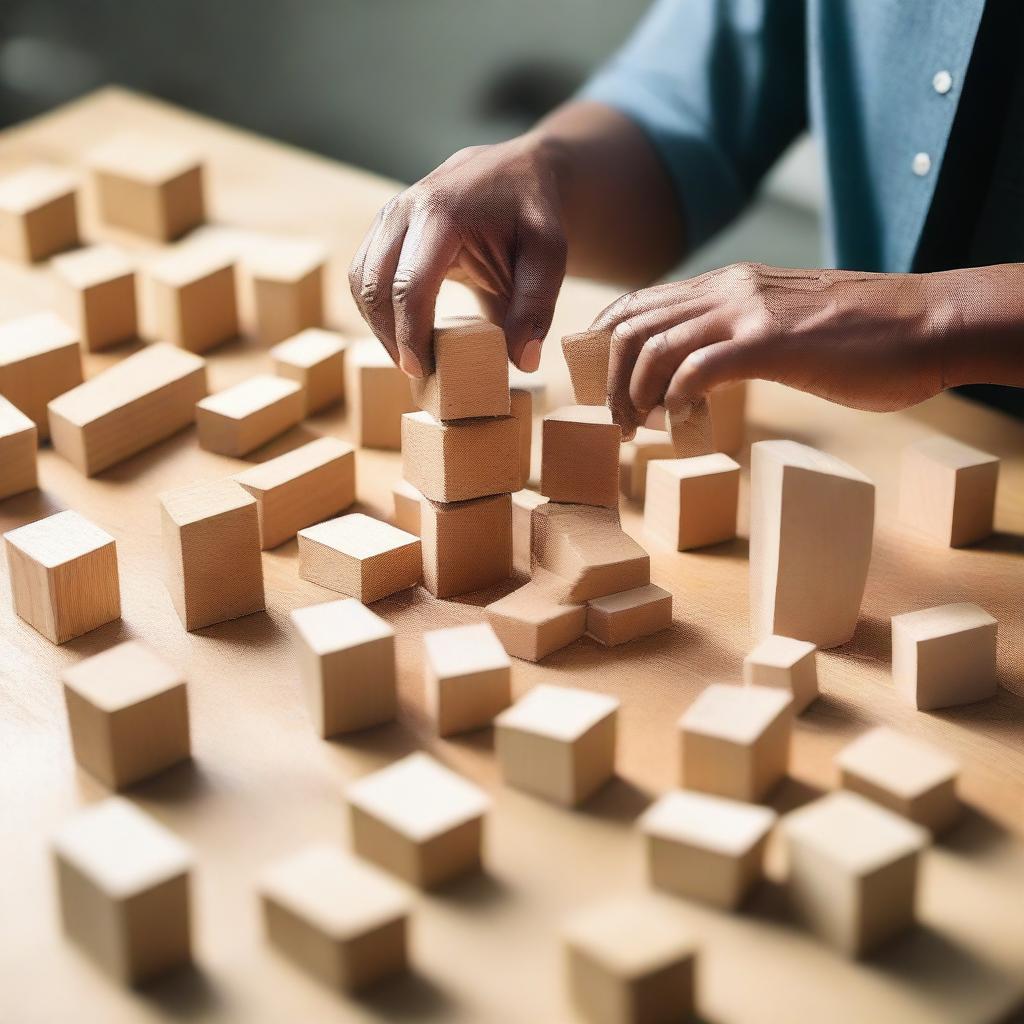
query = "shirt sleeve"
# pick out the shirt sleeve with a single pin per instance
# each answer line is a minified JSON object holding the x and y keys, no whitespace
{"x":719,"y":88}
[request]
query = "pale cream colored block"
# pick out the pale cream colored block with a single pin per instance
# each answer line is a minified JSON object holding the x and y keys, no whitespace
{"x":634,"y":457}
{"x":586,"y":356}
{"x":239,"y":419}
{"x":692,"y":503}
{"x":38,"y":213}
{"x":580,"y":456}
{"x":19,"y":442}
{"x":467,"y":545}
{"x":315,"y":359}
{"x":727,"y":406}
{"x":523,"y":504}
{"x":690,"y":429}
{"x":531,"y":623}
{"x":96,"y":295}
{"x":127,"y":713}
{"x":287,"y":280}
{"x":378,"y":394}
{"x":63,"y":572}
{"x":630,"y":614}
{"x":521,"y":409}
{"x":791,"y":665}
{"x":407,"y":500}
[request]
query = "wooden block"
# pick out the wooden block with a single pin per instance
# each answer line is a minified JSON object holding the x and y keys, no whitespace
{"x":418,"y":819}
{"x":586,"y":356}
{"x":521,"y":409}
{"x":470,"y":378}
{"x":315,"y":359}
{"x":19,"y":441}
{"x":557,"y":743}
{"x":630,"y":962}
{"x":910,"y":777}
{"x":38,"y":213}
{"x":467,"y":545}
{"x":634,"y":457}
{"x":853,"y":869}
{"x":127,"y":713}
{"x":239,"y":419}
{"x":948,"y":490}
{"x":40,"y":358}
{"x":211,"y":541}
{"x":149,"y":186}
{"x":692,"y":503}
{"x":360,"y":556}
{"x":63,"y":572}
{"x":301,"y":487}
{"x":690,"y":429}
{"x":519,"y":380}
{"x":618,"y":618}
{"x":789,"y":664}
{"x":706,"y":848}
{"x":531,"y":623}
{"x":407,"y":499}
{"x":378,"y":395}
{"x":811,"y":525}
{"x":288,"y":288}
{"x":523,"y":504}
{"x":727,"y":407}
{"x":735,"y":741}
{"x":341,"y":920}
{"x":96,"y":295}
{"x":944,"y":656}
{"x":462,"y":459}
{"x":123,"y":884}
{"x":347,"y":665}
{"x":136,"y":403}
{"x":580,"y":456}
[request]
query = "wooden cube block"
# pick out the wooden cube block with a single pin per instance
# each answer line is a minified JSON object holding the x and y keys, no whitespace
{"x":40,"y":358}
{"x":360,"y":556}
{"x":211,"y":541}
{"x":853,"y":869}
{"x":461,"y":459}
{"x":408,"y":501}
{"x":38,"y":213}
{"x":128,"y":714}
{"x":468,"y":677}
{"x":378,"y":395}
{"x":418,"y":819}
{"x":534,"y":383}
{"x":557,"y":743}
{"x":690,"y":429}
{"x":96,"y":295}
{"x":149,"y":186}
{"x":523,"y":504}
{"x":301,"y":487}
{"x":910,"y":777}
{"x":63,"y":575}
{"x":789,"y":664}
{"x":136,"y":403}
{"x":19,"y":441}
{"x":288,"y":289}
{"x":944,"y":656}
{"x":347,"y":665}
{"x":587,"y":356}
{"x":123,"y":885}
{"x":692,"y":503}
{"x":706,"y":848}
{"x":580,"y":456}
{"x":531,"y":623}
{"x":948,"y":490}
{"x":467,"y":545}
{"x":735,"y":741}
{"x":634,"y":457}
{"x":727,"y":406}
{"x":239,"y":419}
{"x":811,"y":530}
{"x":193,"y":296}
{"x":521,"y":409}
{"x":630,"y":962}
{"x":341,"y":920}
{"x":630,"y":614}
{"x":315,"y":359}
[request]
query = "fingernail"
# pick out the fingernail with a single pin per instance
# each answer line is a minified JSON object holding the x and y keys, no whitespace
{"x":529,"y":358}
{"x":410,"y":363}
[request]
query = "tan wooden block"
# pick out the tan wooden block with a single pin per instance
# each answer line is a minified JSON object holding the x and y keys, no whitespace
{"x":618,"y":618}
{"x":531,"y":623}
{"x":692,"y":503}
{"x":534,"y":383}
{"x":147,"y":185}
{"x":811,"y":530}
{"x":557,"y":743}
{"x":580,"y":456}
{"x":944,"y":656}
{"x":948,"y":490}
{"x":288,"y":288}
{"x":63,"y":572}
{"x":691,"y":429}
{"x":791,"y":665}
{"x":127,"y":713}
{"x":419,"y":820}
{"x":629,"y":961}
{"x":341,"y":920}
{"x":211,"y":541}
{"x":727,"y":407}
{"x":735,"y":741}
{"x":360,"y":556}
{"x":461,"y":459}
{"x":301,"y":487}
{"x":706,"y":848}
{"x":523,"y":504}
{"x":408,"y":501}
{"x":133,"y":405}
{"x":96,"y":295}
{"x":587,"y":356}
{"x":467,"y":545}
{"x":521,"y":409}
{"x":19,"y":442}
{"x":40,"y":358}
{"x":123,"y":884}
{"x":347,"y":665}
{"x":38,"y":213}
{"x":315,"y":359}
{"x":853,"y":870}
{"x":379,"y":394}
{"x":634,"y":457}
{"x":239,"y":419}
{"x":468,"y":677}
{"x":908,"y":776}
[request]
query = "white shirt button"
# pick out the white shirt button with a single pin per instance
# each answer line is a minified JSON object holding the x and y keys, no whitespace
{"x":922,"y":164}
{"x":942,"y":82}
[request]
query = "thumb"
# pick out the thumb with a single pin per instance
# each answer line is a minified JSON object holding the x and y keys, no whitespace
{"x":536,"y":280}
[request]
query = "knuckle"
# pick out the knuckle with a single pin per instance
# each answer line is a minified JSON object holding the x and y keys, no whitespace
{"x":369,"y":293}
{"x":658,"y":345}
{"x":403,"y":289}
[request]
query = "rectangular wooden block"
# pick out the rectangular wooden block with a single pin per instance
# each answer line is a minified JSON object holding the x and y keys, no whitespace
{"x":692,"y":503}
{"x":587,"y":356}
{"x":19,"y":441}
{"x":727,"y":407}
{"x":378,"y":393}
{"x":96,"y":295}
{"x":523,"y":504}
{"x":634,"y":457}
{"x":521,"y":409}
{"x":618,"y":618}
{"x":691,"y":429}
{"x":580,"y":456}
{"x":239,"y":419}
{"x":315,"y":359}
{"x":38,"y":213}
{"x":789,"y":664}
{"x":287,"y":281}
{"x":467,"y":545}
{"x":408,"y":501}
{"x":133,"y":405}
{"x":533,"y":383}
{"x":531,"y":622}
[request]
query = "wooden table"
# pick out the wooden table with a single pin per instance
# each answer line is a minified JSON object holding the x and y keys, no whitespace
{"x":262,"y":784}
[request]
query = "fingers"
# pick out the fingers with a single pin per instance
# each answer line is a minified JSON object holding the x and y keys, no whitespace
{"x":708,"y":367}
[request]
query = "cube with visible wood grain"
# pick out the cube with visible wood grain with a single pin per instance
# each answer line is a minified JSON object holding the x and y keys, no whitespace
{"x":467,"y":545}
{"x":96,"y":295}
{"x":38,"y":213}
{"x":19,"y":443}
{"x":691,"y":503}
{"x":239,"y":419}
{"x":287,"y":279}
{"x":580,"y":456}
{"x":791,"y":665}
{"x":532,"y":623}
{"x":315,"y":359}
{"x":378,"y":395}
{"x":628,"y":615}
{"x":408,"y":506}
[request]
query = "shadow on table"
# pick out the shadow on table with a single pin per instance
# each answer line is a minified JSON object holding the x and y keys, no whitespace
{"x":186,"y":993}
{"x":411,"y":996}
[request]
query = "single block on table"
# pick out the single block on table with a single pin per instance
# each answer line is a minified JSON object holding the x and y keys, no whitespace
{"x":378,"y":395}
{"x":531,"y":623}
{"x":408,"y":502}
{"x":692,"y":503}
{"x":241,"y":418}
{"x":587,"y":356}
{"x":634,"y":457}
{"x":789,"y":664}
{"x":618,"y":618}
{"x":38,"y":213}
{"x":63,"y":575}
{"x":523,"y":504}
{"x":467,"y":545}
{"x":96,"y":295}
{"x":288,"y":288}
{"x":728,"y":406}
{"x":690,"y":429}
{"x":19,"y":442}
{"x":580,"y":456}
{"x":521,"y":410}
{"x":315,"y":359}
